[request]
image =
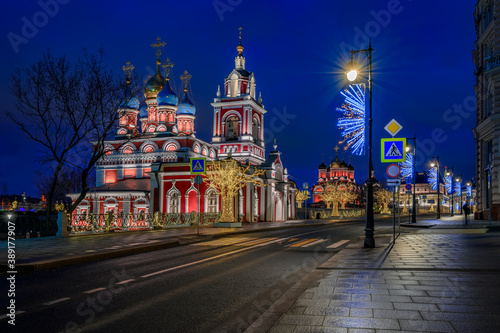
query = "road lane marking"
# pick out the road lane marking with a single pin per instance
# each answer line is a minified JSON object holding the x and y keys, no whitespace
{"x":7,"y":315}
{"x":319,"y":241}
{"x":303,"y":242}
{"x":126,"y":281}
{"x":272,"y":242}
{"x":93,"y":290}
{"x":218,"y":256}
{"x":253,"y":242}
{"x":57,"y":301}
{"x":339,"y":243}
{"x":223,"y":242}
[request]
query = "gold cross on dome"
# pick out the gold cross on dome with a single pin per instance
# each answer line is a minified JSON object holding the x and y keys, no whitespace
{"x":158,"y":46}
{"x":166,"y":66}
{"x":240,"y":28}
{"x":185,"y":78}
{"x":128,"y":68}
{"x":336,"y":150}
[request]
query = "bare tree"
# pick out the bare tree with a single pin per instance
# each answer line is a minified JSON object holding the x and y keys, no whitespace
{"x":69,"y":110}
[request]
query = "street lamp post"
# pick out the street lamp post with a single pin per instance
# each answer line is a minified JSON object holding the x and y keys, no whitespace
{"x":450,"y":174}
{"x":438,"y":183}
{"x":305,"y":186}
{"x":351,"y":76}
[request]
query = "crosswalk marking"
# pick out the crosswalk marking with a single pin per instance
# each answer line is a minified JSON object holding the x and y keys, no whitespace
{"x":339,"y":243}
{"x":319,"y":241}
{"x":307,"y":241}
{"x":272,"y":242}
{"x":250,"y":243}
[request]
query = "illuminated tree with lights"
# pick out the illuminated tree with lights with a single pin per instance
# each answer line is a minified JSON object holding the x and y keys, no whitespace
{"x":227,"y":177}
{"x":301,"y":196}
{"x":383,"y":197}
{"x":331,"y":198}
{"x":407,"y":168}
{"x":352,"y":123}
{"x":346,"y":196}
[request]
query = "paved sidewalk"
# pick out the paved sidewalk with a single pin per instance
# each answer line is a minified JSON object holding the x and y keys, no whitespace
{"x":50,"y":252}
{"x":444,"y":278}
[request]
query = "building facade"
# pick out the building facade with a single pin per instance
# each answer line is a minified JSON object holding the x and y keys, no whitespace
{"x":146,"y":168}
{"x":486,"y":57}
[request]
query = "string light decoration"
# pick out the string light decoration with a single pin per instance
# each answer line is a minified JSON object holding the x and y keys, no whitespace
{"x":227,"y":177}
{"x":458,"y":189}
{"x":352,"y":123}
{"x":432,"y":178}
{"x":447,"y":184}
{"x":383,"y":197}
{"x":407,"y":168}
{"x":301,"y":196}
{"x":468,"y":190}
{"x":346,"y":196}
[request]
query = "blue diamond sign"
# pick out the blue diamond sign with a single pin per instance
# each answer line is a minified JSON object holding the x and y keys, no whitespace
{"x":197,"y":166}
{"x":393,"y":150}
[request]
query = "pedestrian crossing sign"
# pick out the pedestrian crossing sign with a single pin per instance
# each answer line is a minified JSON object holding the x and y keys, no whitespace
{"x":197,"y":165}
{"x":393,"y":150}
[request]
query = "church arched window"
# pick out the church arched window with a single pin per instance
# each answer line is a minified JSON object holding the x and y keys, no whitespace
{"x":174,"y":203}
{"x":232,"y":128}
{"x":255,"y":130}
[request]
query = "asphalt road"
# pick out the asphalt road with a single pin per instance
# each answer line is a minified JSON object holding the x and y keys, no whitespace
{"x":214,"y":286}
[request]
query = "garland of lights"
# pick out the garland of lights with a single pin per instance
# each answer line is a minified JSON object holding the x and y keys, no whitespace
{"x":407,"y":168}
{"x":432,"y":179}
{"x":447,"y":184}
{"x":352,"y":123}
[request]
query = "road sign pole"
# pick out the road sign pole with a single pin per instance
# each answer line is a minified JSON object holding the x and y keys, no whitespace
{"x":198,"y":224}
{"x":394,"y":214}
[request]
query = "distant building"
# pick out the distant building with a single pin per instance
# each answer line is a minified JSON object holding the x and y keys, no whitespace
{"x":486,"y":57}
{"x":338,"y":174}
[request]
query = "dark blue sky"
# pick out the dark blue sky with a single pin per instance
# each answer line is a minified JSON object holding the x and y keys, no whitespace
{"x":423,"y":71}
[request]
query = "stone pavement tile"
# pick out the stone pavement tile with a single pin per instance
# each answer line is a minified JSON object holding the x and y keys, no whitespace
{"x":361,"y":298}
{"x":302,"y":320}
{"x":326,"y":311}
{"x":385,"y":298}
{"x":453,"y":300}
{"x":364,"y":305}
{"x":387,"y":286}
{"x":281,"y":328}
{"x":332,"y":296}
{"x":416,"y":306}
{"x":370,"y":323}
{"x":313,"y":302}
{"x":356,"y":312}
{"x":427,"y":326}
{"x":362,"y":291}
{"x":406,"y":292}
{"x":296,"y":310}
{"x":397,"y":314}
{"x":307,"y":294}
{"x":316,"y":329}
{"x":454,"y":316}
{"x":361,"y":330}
{"x":468,"y":327}
{"x":461,"y":308}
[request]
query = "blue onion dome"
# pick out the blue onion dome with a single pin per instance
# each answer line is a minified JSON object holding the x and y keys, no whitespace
{"x":155,"y":83}
{"x":185,"y":106}
{"x":132,"y":103}
{"x":167,"y":96}
{"x":143,"y":112}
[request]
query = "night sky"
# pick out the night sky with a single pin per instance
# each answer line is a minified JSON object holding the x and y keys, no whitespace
{"x":423,"y":72}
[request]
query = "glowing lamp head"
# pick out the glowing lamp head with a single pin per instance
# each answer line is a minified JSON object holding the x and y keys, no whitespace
{"x":433,"y":164}
{"x":457,"y":179}
{"x":407,"y":148}
{"x":352,"y":72}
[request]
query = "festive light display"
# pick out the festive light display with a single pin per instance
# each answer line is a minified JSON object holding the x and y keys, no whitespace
{"x":458,"y":189}
{"x":432,"y":178}
{"x":353,"y":120}
{"x":469,"y":190}
{"x":407,"y":168}
{"x":227,"y":177}
{"x":335,"y":195}
{"x":447,"y":184}
{"x":301,"y":196}
{"x":383,"y":197}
